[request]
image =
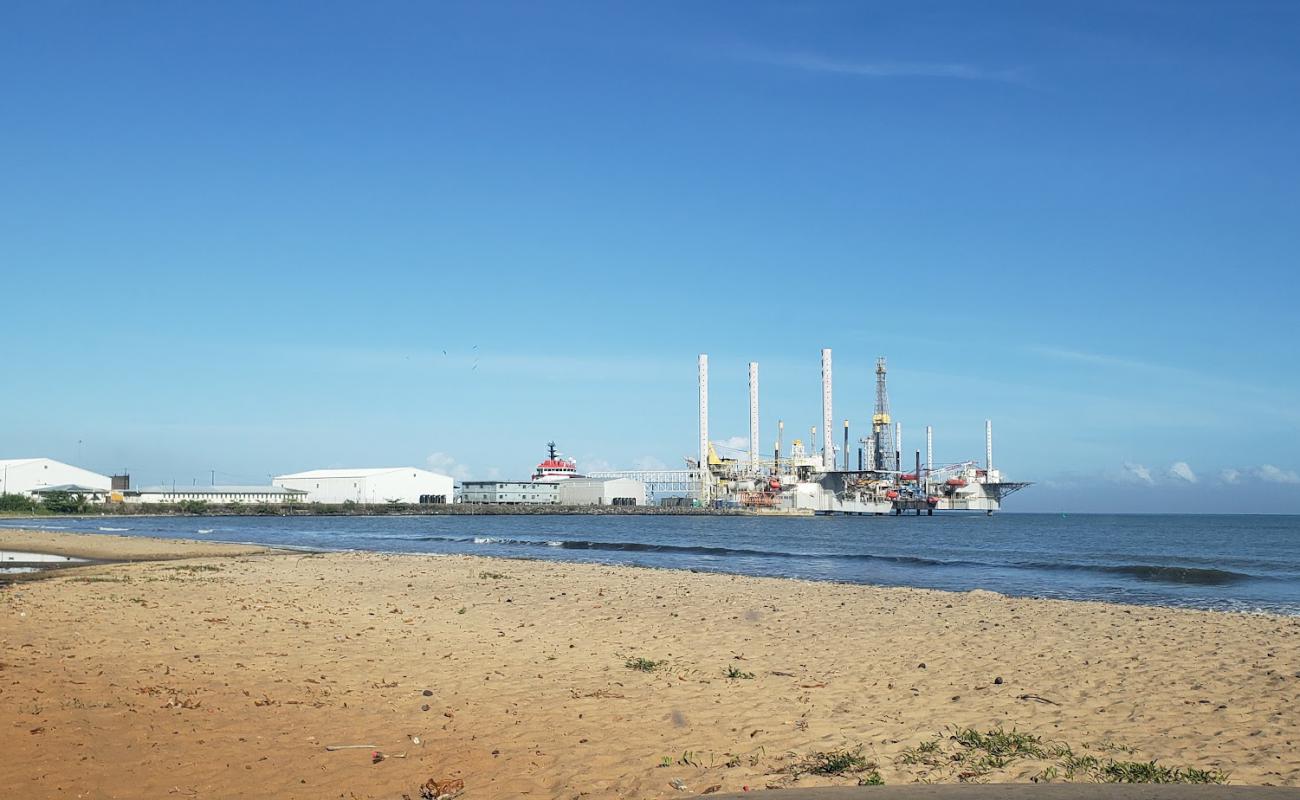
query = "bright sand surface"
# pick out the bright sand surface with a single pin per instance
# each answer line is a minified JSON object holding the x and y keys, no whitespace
{"x":226,"y":676}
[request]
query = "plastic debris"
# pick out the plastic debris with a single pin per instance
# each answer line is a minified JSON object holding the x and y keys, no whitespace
{"x":433,"y":789}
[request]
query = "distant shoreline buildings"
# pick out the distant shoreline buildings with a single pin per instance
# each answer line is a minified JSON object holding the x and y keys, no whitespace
{"x":819,"y":478}
{"x":555,"y":482}
{"x":40,"y":477}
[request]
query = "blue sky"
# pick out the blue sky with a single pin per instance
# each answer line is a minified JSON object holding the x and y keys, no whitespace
{"x":264,"y":237}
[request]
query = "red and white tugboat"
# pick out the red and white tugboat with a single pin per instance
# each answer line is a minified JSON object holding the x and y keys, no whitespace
{"x":555,"y":468}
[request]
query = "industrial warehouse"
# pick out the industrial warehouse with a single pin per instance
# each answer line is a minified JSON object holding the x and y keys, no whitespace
{"x":370,"y":486}
{"x":39,"y":478}
{"x":24,"y":476}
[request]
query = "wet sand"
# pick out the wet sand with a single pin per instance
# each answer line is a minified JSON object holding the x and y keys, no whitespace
{"x":227,"y":673}
{"x":118,"y":548}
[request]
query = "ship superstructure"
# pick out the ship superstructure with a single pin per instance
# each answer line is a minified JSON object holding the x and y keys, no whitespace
{"x":555,"y":467}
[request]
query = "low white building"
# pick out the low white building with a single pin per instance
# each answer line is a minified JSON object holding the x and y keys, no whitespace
{"x":371,"y":485}
{"x":509,"y":492}
{"x":216,"y":495}
{"x":602,"y":492}
{"x":26,"y":475}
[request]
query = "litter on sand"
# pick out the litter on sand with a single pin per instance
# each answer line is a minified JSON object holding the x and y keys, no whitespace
{"x":434,"y":789}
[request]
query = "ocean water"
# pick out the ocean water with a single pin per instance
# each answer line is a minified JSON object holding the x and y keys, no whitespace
{"x":1228,"y":562}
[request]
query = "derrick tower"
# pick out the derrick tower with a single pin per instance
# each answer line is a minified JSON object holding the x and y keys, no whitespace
{"x":882,"y":443}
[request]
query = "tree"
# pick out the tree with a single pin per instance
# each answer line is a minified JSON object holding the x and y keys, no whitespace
{"x":16,"y":502}
{"x":64,"y":502}
{"x":192,"y":506}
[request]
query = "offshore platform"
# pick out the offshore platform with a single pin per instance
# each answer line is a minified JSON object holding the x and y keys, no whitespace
{"x":800,"y":479}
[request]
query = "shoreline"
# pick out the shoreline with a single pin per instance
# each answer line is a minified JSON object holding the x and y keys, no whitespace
{"x":610,"y":511}
{"x":122,"y":549}
{"x":227,"y":676}
{"x":403,"y":510}
{"x":187,"y":548}
{"x":157,"y":548}
{"x":158,"y":551}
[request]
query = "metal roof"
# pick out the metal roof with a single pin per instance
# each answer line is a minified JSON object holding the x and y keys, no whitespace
{"x":363,"y":472}
{"x":71,"y":488}
{"x":216,"y":490}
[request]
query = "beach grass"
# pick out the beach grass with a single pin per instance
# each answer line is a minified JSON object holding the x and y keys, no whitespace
{"x":832,"y":762}
{"x":643,"y":664}
{"x":970,"y":755}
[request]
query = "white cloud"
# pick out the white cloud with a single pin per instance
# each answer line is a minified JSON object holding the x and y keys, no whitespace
{"x":447,"y":465}
{"x":1137,"y":472}
{"x":1182,"y":471}
{"x":1272,"y":474}
{"x":648,"y":463}
{"x":733,"y":443}
{"x":1230,"y":475}
{"x":590,"y":463}
{"x":814,"y":62}
{"x":461,"y":360}
{"x":1260,"y":398}
{"x":1098,"y":359}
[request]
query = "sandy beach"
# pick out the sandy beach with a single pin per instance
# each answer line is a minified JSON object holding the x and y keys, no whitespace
{"x":227,"y":673}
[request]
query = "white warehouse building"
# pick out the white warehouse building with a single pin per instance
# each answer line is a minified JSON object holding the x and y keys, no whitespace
{"x":26,"y":475}
{"x":370,"y":486}
{"x":216,"y":495}
{"x":601,"y":492}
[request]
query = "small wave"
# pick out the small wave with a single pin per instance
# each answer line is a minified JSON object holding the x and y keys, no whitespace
{"x":698,"y":550}
{"x":1192,"y":575}
{"x":1144,"y":572}
{"x":1156,"y":573}
{"x":634,"y":547}
{"x":206,"y":530}
{"x":115,"y":530}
